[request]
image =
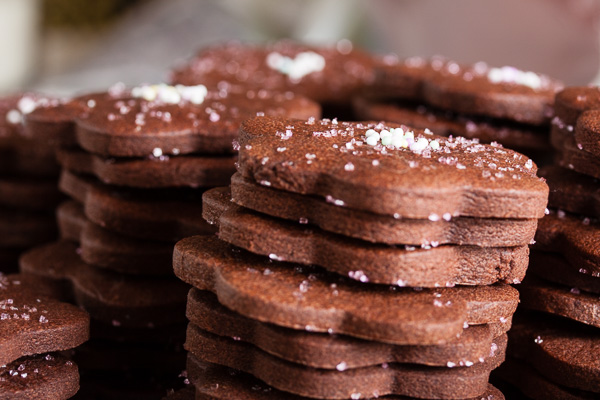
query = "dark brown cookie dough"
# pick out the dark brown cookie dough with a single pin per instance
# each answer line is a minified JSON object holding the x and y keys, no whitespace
{"x":300,"y":297}
{"x":455,"y":177}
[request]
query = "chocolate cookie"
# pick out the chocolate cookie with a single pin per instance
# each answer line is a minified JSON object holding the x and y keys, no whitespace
{"x":29,"y":194}
{"x":568,"y":302}
{"x":46,"y":376}
{"x":571,"y":191}
{"x":215,"y":382}
{"x":324,"y":74}
{"x":576,"y":238}
{"x":322,"y":350}
{"x":577,"y":109}
{"x":504,"y":92}
{"x":153,"y":215}
{"x":110,"y":297}
{"x":534,"y":385}
{"x":175,"y":120}
{"x":103,"y":248}
{"x":161,"y":119}
{"x":556,"y":268}
{"x":485,"y":232}
{"x":562,"y":351}
{"x":433,"y":177}
{"x":55,"y":123}
{"x":190,"y":171}
{"x":521,"y":137}
{"x":569,"y":155}
{"x":404,"y":79}
{"x":31,"y":323}
{"x":22,"y":229}
{"x":379,"y":380}
{"x":431,"y":266}
{"x":305,"y":298}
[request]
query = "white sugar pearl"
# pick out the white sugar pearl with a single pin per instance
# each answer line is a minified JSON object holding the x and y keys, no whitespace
{"x":373,"y":139}
{"x":434,"y":144}
{"x":419,"y":145}
{"x":399,"y":141}
{"x":386,"y":137}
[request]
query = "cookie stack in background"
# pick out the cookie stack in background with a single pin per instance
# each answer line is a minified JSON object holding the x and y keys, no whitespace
{"x":28,"y":176}
{"x":561,"y":345}
{"x":135,"y":164}
{"x":503,"y":105}
{"x":331,"y":76}
{"x":348,"y":268}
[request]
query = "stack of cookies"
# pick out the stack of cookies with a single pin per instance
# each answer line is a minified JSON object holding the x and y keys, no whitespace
{"x":561,"y":345}
{"x":135,"y":163}
{"x":358,"y":260}
{"x":504,"y":105}
{"x":331,"y":76}
{"x":33,"y":328}
{"x":28,"y":175}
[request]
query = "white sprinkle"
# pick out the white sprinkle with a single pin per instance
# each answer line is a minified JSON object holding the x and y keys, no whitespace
{"x":349,"y":167}
{"x":538,"y":340}
{"x":275,"y":257}
{"x":434,"y":217}
{"x":14,"y":117}
{"x":157,"y":152}
{"x":529,"y":164}
{"x":341,"y":366}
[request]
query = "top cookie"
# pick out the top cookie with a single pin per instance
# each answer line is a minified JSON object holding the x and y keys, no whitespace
{"x":478,"y":89}
{"x":326,"y":75}
{"x":163,"y":120}
{"x":391,"y":169}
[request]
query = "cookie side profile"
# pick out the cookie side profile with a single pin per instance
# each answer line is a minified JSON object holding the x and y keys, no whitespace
{"x":286,"y":295}
{"x":334,"y":161}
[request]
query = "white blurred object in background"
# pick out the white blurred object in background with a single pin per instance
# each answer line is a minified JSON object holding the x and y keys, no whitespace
{"x":19,"y":40}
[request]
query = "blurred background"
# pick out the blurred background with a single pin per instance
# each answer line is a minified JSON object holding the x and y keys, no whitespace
{"x":69,"y":46}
